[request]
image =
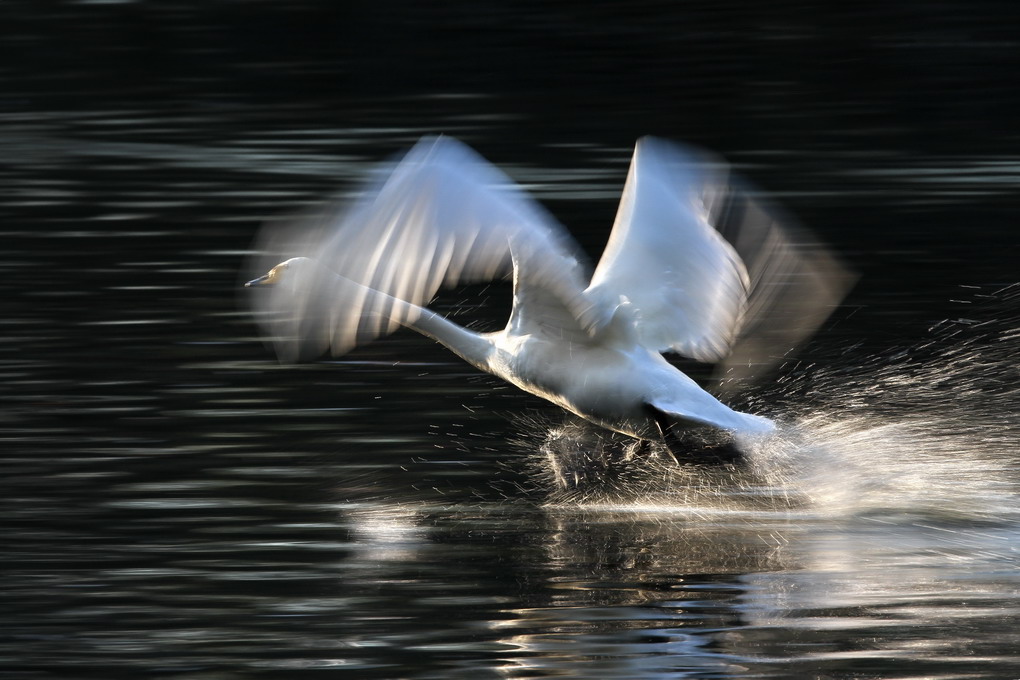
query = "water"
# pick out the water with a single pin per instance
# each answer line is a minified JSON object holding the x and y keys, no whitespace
{"x":178,"y":504}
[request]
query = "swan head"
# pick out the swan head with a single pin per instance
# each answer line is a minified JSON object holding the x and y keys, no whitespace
{"x":285,"y":271}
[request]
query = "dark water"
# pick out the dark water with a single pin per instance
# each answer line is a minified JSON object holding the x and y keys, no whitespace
{"x":178,"y":504}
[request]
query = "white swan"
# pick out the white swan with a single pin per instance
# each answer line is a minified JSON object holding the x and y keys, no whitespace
{"x":667,"y":281}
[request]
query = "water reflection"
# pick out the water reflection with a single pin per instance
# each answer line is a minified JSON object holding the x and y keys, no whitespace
{"x":633,"y":594}
{"x":920,"y":597}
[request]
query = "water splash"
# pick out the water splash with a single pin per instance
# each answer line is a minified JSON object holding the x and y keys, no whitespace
{"x":931,"y":429}
{"x":860,"y":464}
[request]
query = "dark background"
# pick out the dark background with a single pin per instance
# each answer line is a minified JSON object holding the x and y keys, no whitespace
{"x":909,"y":75}
{"x":175,"y":503}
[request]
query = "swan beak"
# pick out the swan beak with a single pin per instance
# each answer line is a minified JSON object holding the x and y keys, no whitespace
{"x":264,"y":280}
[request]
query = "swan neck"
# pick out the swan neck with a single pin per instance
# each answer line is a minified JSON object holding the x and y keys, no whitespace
{"x":474,"y":348}
{"x":470,"y":346}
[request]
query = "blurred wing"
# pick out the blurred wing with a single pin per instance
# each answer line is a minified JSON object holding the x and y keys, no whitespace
{"x":686,"y":286}
{"x":539,"y":311}
{"x":710,"y":270}
{"x":440,"y":216}
{"x":795,"y":283}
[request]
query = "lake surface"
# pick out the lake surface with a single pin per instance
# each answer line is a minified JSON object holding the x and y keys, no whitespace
{"x":179,"y":504}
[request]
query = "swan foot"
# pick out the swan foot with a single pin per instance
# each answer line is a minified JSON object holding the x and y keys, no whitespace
{"x":689,"y":451}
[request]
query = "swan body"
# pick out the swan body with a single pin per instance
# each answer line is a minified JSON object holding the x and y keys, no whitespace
{"x":611,"y":382}
{"x":590,"y":342}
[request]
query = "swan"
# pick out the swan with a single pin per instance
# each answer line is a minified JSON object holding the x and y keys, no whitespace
{"x":589,"y":341}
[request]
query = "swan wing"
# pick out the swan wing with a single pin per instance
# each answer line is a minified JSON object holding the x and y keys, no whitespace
{"x":795,"y":282}
{"x":440,"y":216}
{"x":710,"y":270}
{"x":685,"y":285}
{"x":540,"y":310}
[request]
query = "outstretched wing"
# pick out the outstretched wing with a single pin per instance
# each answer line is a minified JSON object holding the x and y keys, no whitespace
{"x":442,"y":215}
{"x":708,"y":269}
{"x":686,"y":286}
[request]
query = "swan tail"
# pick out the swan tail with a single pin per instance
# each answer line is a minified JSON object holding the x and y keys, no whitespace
{"x":710,"y":412}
